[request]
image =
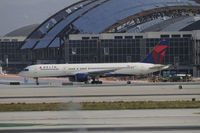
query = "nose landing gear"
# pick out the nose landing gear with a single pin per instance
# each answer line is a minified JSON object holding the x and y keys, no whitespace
{"x":36,"y":80}
{"x":129,"y":82}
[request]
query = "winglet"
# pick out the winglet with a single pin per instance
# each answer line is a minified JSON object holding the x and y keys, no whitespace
{"x":158,"y":53}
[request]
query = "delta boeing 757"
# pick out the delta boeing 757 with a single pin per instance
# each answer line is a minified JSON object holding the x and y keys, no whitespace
{"x":94,"y":71}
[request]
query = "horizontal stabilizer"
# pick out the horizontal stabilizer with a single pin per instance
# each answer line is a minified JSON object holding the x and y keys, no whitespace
{"x":160,"y":67}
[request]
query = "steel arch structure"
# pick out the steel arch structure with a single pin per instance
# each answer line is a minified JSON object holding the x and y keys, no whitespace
{"x":146,"y":16}
{"x":102,"y":16}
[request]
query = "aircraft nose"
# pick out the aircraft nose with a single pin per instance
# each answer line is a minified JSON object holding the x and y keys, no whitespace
{"x":21,"y":74}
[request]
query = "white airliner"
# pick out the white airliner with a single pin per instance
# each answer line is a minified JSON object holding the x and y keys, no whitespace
{"x":86,"y":72}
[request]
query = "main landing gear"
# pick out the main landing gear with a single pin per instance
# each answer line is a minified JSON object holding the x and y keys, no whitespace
{"x":129,"y":82}
{"x":96,"y":81}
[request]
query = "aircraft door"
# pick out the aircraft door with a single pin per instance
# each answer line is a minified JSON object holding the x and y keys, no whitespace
{"x":35,"y":71}
{"x":66,"y":70}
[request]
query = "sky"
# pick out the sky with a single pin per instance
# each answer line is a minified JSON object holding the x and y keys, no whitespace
{"x":15,"y":14}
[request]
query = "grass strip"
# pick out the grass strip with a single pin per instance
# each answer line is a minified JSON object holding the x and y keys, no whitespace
{"x":99,"y":106}
{"x":18,"y":124}
{"x":142,"y":105}
{"x":33,"y":124}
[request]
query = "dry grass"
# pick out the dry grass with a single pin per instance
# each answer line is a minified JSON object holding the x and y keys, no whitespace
{"x":99,"y":106}
{"x":141,"y":105}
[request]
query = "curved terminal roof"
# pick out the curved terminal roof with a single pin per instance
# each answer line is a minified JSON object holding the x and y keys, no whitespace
{"x":24,"y":31}
{"x":96,"y":16}
{"x":182,"y":23}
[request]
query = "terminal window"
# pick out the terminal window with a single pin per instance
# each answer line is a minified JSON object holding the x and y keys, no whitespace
{"x":187,"y":35}
{"x":164,"y":36}
{"x":138,"y":37}
{"x":118,"y":37}
{"x":128,"y":37}
{"x":85,"y":38}
{"x":176,"y":36}
{"x":106,"y":51}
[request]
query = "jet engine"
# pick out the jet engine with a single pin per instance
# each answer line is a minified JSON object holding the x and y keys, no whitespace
{"x":80,"y":77}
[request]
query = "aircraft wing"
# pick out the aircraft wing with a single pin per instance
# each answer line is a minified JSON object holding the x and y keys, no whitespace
{"x":101,"y":72}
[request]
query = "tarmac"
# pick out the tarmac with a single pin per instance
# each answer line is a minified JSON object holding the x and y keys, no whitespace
{"x":170,"y":120}
{"x":126,"y":121}
{"x":53,"y":91}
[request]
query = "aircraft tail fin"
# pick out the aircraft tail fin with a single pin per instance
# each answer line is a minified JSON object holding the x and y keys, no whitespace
{"x":158,"y":53}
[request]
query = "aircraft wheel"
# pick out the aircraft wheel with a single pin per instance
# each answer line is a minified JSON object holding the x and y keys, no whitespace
{"x":96,"y":82}
{"x":128,"y":82}
{"x":100,"y":82}
{"x":86,"y":82}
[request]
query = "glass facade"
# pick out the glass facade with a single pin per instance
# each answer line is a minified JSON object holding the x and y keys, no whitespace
{"x":179,"y":52}
{"x":12,"y":57}
{"x":182,"y":53}
{"x":120,"y":50}
{"x":47,"y":56}
{"x":84,"y":51}
{"x":11,"y":51}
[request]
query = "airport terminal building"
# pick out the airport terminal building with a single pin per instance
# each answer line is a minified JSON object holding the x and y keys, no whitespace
{"x":183,"y":52}
{"x":97,"y":31}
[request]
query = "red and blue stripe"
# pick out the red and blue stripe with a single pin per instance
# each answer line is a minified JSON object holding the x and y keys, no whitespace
{"x":158,"y":53}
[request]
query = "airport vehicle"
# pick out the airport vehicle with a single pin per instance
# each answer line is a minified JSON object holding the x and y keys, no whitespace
{"x":94,"y":71}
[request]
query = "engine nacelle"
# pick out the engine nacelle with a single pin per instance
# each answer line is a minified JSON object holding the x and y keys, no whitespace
{"x":80,"y":77}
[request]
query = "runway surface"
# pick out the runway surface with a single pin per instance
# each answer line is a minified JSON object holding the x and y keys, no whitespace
{"x":126,"y":121}
{"x":171,"y":120}
{"x":96,"y":93}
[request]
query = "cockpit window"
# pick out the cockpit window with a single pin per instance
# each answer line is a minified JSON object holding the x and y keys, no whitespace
{"x":26,"y":69}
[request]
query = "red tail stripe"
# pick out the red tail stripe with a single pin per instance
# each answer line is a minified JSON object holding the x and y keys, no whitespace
{"x":155,"y":56}
{"x":162,"y":55}
{"x":160,"y":48}
{"x":156,"y":51}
